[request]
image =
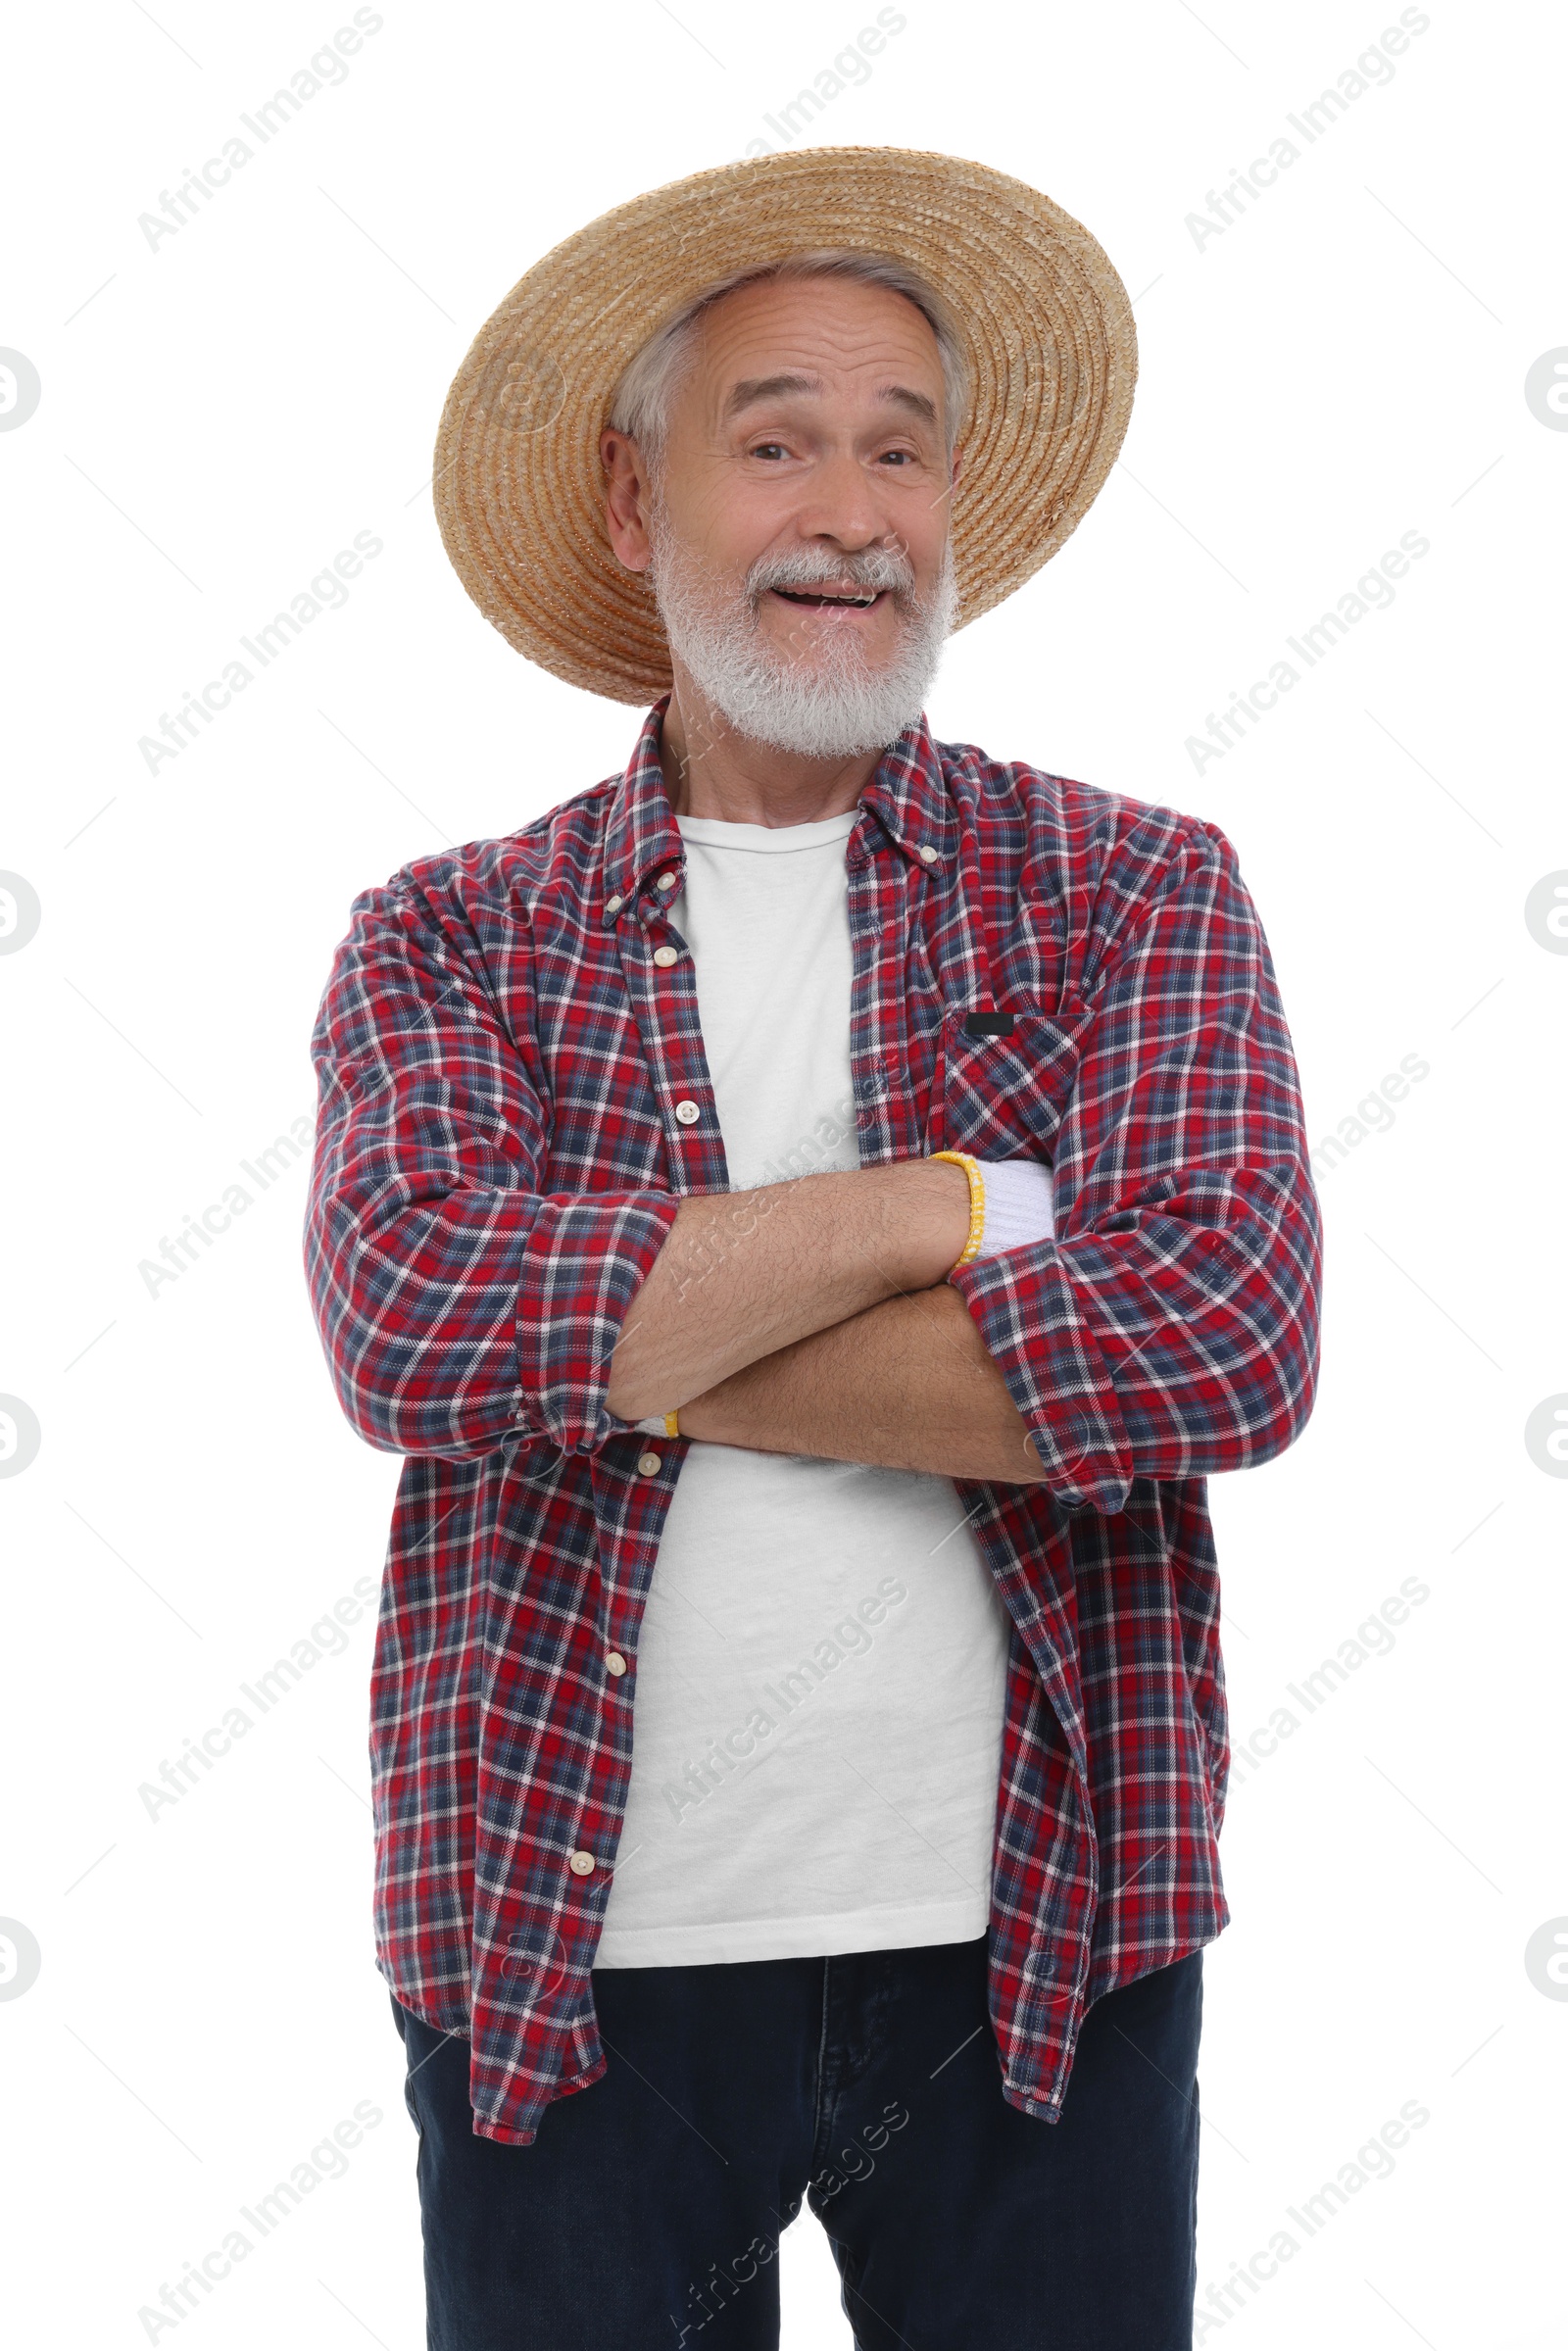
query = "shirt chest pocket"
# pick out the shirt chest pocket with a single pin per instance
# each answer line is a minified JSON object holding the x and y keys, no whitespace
{"x":1006,"y":1078}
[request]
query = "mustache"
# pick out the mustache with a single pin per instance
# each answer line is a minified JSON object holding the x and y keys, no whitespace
{"x":874,"y":568}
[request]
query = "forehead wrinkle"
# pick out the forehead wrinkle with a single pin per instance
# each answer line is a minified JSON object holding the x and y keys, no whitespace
{"x":751,"y":389}
{"x":827,"y":334}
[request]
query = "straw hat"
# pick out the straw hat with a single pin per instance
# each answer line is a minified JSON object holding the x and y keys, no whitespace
{"x":519,"y":485}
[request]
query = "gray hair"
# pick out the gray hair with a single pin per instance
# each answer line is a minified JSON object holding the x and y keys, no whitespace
{"x":639,"y":402}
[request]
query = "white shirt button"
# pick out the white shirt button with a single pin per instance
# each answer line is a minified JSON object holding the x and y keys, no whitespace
{"x":664,"y":956}
{"x":667,"y":881}
{"x":647,"y":1464}
{"x":616,"y":1663}
{"x":612,"y":906}
{"x":581,"y":1864}
{"x":928,"y":853}
{"x":687,"y":1114}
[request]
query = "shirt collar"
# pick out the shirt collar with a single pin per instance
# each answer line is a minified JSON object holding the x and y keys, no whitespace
{"x":908,"y":796}
{"x":642,"y":839}
{"x":911,"y":795}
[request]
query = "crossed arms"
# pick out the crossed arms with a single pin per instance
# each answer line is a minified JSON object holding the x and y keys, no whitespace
{"x":1168,"y":1329}
{"x":825,"y":1327}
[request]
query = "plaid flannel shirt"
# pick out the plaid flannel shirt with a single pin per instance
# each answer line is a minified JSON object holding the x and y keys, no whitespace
{"x":513,"y":1098}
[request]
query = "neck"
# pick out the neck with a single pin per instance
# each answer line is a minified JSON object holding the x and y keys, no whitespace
{"x":711,"y":770}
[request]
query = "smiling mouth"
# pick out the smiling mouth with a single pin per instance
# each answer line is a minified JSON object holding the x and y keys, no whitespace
{"x":824,"y":600}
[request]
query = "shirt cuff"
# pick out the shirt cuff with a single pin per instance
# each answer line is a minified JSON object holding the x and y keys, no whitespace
{"x":583,"y":1264}
{"x":1056,"y":1374}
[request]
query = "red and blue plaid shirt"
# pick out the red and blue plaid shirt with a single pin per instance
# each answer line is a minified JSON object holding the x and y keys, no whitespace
{"x":508,"y":1082}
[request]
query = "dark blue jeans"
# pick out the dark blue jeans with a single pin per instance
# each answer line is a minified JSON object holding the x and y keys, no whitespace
{"x":646,"y":2215}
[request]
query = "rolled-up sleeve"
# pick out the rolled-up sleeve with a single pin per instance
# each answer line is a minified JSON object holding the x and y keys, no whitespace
{"x":1170,"y":1328}
{"x":457,"y":1304}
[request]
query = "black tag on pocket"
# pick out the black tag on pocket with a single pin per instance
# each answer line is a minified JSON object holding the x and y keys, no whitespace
{"x":988,"y":1024}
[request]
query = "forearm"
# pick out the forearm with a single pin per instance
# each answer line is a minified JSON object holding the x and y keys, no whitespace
{"x":907,"y":1384}
{"x":745,"y":1274}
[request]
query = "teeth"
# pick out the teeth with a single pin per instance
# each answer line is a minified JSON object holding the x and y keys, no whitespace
{"x":825,"y":595}
{"x":828,"y":596}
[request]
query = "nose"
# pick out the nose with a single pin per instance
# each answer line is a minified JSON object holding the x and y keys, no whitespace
{"x":840,"y":503}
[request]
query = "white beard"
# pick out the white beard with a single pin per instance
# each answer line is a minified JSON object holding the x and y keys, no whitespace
{"x":831,"y":704}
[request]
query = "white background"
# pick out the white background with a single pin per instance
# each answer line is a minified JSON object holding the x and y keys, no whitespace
{"x":1344,"y":364}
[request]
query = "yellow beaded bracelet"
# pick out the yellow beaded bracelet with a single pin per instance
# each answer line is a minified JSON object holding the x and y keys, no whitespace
{"x":977,"y":1202}
{"x":671,"y":1425}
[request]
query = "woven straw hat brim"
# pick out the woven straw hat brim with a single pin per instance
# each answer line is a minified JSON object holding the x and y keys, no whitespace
{"x":519,"y":485}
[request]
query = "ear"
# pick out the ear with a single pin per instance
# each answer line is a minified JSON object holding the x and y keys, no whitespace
{"x":625,"y":497}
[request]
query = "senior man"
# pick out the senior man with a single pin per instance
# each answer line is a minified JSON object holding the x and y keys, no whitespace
{"x":812,"y":1210}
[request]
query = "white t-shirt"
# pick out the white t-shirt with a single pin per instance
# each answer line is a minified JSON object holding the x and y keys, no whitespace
{"x":816,"y":1731}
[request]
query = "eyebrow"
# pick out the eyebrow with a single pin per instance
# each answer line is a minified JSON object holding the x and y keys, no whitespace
{"x":751,"y":389}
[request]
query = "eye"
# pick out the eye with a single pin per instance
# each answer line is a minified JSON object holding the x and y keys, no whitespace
{"x":768,"y":449}
{"x":897,"y":457}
